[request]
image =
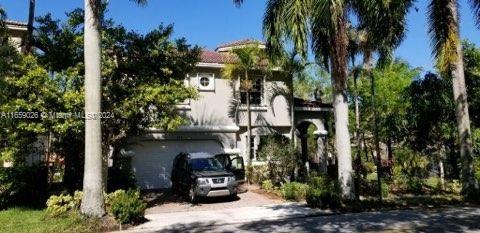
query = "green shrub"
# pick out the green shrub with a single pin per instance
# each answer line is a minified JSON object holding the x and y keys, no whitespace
{"x":385,"y":189}
{"x":268,"y":186}
{"x":63,"y":204}
{"x":280,"y":156}
{"x":294,"y":191}
{"x":323,"y":193}
{"x":126,"y":207}
{"x":121,"y":175}
{"x":370,"y":188}
{"x":256,"y":174}
{"x":415,"y":185}
{"x":369,"y":167}
{"x":410,"y":164}
{"x":23,"y":186}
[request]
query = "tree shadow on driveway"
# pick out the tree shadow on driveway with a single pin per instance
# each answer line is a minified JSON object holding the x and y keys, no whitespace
{"x":427,"y":220}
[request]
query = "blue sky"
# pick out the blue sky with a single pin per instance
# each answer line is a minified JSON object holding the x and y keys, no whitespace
{"x":209,"y":23}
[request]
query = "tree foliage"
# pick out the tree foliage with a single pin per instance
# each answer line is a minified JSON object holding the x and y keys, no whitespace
{"x":391,"y":84}
{"x":142,"y":82}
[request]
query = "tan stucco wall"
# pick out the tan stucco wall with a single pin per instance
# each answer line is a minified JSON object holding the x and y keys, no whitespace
{"x":216,"y":107}
{"x":16,"y":36}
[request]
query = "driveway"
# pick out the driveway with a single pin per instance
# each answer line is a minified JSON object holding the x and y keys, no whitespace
{"x":296,"y":218}
{"x":165,"y":202}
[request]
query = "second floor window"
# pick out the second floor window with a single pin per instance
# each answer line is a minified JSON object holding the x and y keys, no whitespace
{"x":255,"y":93}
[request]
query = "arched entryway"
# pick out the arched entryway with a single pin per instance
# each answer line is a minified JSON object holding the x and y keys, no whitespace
{"x":310,"y":139}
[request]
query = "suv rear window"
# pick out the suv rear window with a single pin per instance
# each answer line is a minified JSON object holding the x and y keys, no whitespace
{"x":205,"y":164}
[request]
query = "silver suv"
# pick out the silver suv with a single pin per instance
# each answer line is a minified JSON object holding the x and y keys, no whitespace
{"x":201,"y":175}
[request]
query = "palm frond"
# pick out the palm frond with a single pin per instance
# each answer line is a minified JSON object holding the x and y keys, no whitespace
{"x":384,"y":21}
{"x":238,"y":3}
{"x":385,"y":57}
{"x":325,"y":15}
{"x":140,"y":2}
{"x":443,"y":31}
{"x":284,"y":20}
{"x":476,"y":10}
{"x":274,"y":27}
{"x":277,"y":91}
{"x":231,"y":71}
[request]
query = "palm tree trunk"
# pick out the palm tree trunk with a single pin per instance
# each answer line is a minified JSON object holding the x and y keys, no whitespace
{"x":358,"y":153}
{"x":469,"y":183}
{"x":367,"y":60}
{"x":92,"y":202}
{"x":342,"y":136}
{"x":31,"y":17}
{"x":249,"y":125}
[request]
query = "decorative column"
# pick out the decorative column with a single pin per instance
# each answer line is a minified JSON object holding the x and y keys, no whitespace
{"x":321,"y":153}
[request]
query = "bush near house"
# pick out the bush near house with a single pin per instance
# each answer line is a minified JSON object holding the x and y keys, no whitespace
{"x":23,"y":186}
{"x":294,"y":191}
{"x":257,"y":174}
{"x":281,"y":158}
{"x":124,"y":206}
{"x":323,"y":192}
{"x":63,"y":204}
{"x":268,"y":186}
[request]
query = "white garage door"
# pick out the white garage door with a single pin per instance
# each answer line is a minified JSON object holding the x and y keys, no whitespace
{"x":152,"y":162}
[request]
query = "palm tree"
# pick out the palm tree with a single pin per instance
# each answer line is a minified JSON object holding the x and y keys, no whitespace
{"x":249,"y":58}
{"x":31,"y":17}
{"x":325,"y":22}
{"x":93,"y":203}
{"x":444,"y":32}
{"x":380,"y":17}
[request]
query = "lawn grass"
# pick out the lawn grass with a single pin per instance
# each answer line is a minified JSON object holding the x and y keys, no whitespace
{"x":21,"y":220}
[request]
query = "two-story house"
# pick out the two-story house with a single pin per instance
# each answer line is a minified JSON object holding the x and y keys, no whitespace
{"x":218,"y":120}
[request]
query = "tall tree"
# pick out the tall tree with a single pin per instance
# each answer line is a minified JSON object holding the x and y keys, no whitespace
{"x":92,"y":203}
{"x":31,"y":19}
{"x":381,"y":30}
{"x":444,"y":30}
{"x":249,"y":59}
{"x":325,"y":22}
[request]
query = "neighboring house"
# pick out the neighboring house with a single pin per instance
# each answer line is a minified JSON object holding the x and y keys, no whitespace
{"x":17,"y":32}
{"x":218,"y":121}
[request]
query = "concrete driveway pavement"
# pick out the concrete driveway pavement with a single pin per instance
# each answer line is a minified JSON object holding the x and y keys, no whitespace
{"x":297,"y":218}
{"x":168,"y":203}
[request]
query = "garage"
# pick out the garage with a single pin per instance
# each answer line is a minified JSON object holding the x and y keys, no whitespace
{"x":152,"y":160}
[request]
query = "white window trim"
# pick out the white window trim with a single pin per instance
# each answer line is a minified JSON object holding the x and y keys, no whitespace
{"x":211,"y":76}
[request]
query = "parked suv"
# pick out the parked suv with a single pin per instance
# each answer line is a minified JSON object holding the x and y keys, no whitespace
{"x":233,"y":164}
{"x":201,"y":175}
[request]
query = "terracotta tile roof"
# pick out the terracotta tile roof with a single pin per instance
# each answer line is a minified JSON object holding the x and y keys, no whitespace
{"x":225,"y":56}
{"x":16,"y":23}
{"x":216,"y":57}
{"x":240,"y":43}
